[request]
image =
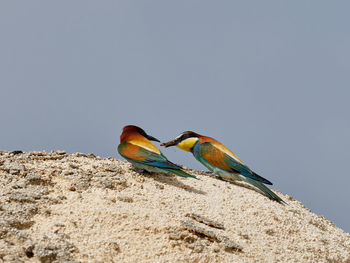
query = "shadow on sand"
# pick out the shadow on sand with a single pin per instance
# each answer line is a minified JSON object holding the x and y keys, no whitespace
{"x":171,"y":180}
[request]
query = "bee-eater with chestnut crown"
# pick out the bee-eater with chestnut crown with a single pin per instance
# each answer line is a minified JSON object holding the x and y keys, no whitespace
{"x":135,"y":147}
{"x":220,"y":160}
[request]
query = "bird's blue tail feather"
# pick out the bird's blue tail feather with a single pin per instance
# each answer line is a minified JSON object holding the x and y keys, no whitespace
{"x":265,"y":190}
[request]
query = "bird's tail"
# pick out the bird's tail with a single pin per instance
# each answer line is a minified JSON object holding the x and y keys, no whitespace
{"x":265,"y":190}
{"x":179,"y":172}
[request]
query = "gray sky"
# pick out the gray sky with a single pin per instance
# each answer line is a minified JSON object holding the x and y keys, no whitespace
{"x":269,"y":79}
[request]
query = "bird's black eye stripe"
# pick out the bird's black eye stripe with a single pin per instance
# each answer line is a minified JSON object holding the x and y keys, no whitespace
{"x":142,"y":132}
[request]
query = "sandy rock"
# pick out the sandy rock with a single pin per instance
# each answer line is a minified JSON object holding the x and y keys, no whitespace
{"x":59,"y":207}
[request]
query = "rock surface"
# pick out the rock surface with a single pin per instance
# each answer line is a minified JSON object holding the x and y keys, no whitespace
{"x":58,"y":207}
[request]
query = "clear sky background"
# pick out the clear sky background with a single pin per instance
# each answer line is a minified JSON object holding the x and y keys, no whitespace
{"x":269,"y":79}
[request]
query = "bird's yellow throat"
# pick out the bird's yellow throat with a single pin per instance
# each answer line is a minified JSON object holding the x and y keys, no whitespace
{"x":187,"y":144}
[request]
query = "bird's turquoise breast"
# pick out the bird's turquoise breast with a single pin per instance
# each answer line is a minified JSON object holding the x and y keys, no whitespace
{"x":201,"y":159}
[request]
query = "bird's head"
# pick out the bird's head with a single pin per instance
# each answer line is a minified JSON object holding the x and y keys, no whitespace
{"x":132,"y":129}
{"x":185,"y":141}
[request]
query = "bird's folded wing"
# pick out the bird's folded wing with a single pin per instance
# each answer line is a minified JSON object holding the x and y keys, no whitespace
{"x":142,"y":155}
{"x":219,"y":158}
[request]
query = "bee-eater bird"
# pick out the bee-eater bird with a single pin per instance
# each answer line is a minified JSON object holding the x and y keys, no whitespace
{"x":220,"y":160}
{"x":135,"y":147}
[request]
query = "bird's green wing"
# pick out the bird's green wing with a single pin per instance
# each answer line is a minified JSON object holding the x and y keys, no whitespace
{"x":218,"y":158}
{"x":139,"y":154}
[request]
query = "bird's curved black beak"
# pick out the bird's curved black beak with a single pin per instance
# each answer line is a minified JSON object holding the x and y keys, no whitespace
{"x":151,"y":138}
{"x":170,"y":143}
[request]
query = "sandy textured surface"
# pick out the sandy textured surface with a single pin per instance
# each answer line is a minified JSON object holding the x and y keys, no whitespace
{"x":80,"y":208}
